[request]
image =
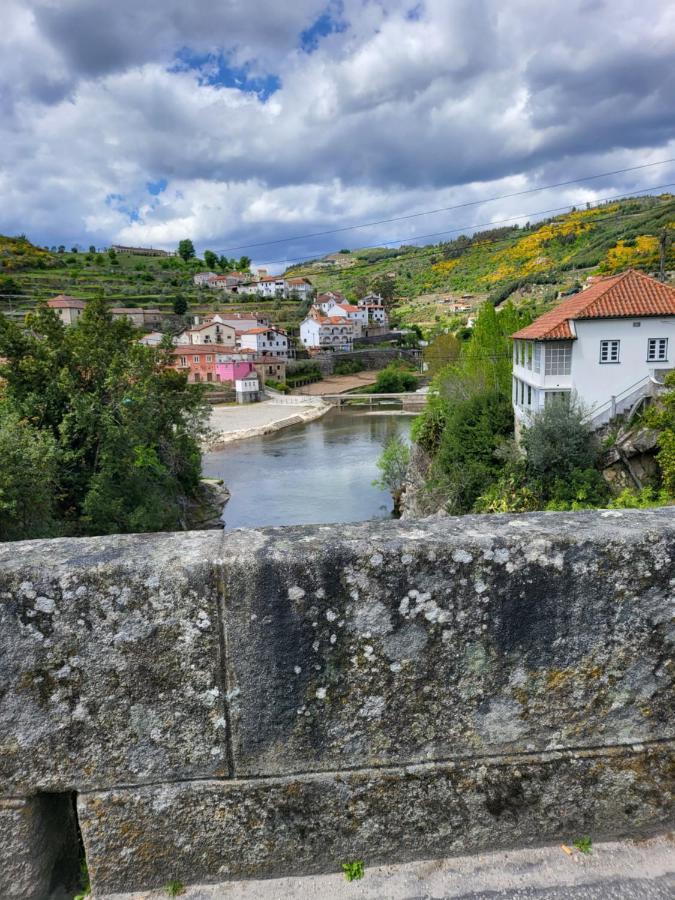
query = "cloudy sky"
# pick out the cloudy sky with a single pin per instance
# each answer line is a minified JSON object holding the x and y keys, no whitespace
{"x":237,"y":122}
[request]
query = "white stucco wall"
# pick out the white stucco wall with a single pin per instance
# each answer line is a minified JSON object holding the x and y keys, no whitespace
{"x":596,"y":382}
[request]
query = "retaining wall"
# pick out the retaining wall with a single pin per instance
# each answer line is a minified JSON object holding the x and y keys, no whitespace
{"x":268,"y":702}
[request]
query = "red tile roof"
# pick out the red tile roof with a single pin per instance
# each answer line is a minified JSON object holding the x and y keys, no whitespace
{"x":628,"y":295}
{"x":63,"y":301}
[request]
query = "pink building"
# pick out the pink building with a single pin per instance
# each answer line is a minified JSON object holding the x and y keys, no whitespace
{"x":232,"y":371}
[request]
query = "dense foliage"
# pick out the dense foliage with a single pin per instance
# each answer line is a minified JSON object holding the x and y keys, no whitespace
{"x":662,"y":417}
{"x":469,"y":414}
{"x":396,"y":378}
{"x":556,"y":468}
{"x":109,"y":433}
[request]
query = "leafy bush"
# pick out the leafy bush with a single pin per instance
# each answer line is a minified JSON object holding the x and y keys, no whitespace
{"x":28,"y":479}
{"x":347,"y":367}
{"x":558,"y":443}
{"x":394,"y":379}
{"x":393,"y":464}
{"x":662,"y":417}
{"x":277,"y":386}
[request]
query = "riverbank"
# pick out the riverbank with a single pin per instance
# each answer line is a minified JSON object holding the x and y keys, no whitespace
{"x":238,"y":423}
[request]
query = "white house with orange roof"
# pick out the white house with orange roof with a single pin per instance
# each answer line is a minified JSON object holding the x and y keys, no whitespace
{"x":334,"y":333}
{"x":355,"y":314}
{"x":68,"y":309}
{"x":264,"y":339}
{"x":610,"y":345}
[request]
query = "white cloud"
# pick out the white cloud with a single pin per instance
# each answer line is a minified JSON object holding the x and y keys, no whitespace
{"x":392,"y":114}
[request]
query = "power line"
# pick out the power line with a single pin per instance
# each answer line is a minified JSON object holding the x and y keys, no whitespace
{"x":431,"y":251}
{"x":467,"y":227}
{"x":429,"y":212}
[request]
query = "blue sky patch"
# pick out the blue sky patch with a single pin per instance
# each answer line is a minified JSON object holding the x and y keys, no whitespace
{"x":118,"y":203}
{"x":215,"y":70}
{"x":416,"y":13}
{"x":156,"y":187}
{"x":329,"y":22}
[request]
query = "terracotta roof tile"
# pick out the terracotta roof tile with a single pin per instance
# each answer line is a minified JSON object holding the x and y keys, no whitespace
{"x":628,"y":295}
{"x":63,"y":301}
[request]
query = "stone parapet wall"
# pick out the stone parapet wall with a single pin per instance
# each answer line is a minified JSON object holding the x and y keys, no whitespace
{"x":266,"y":702}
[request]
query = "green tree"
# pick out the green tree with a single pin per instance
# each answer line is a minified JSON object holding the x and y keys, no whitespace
{"x":385,"y":286}
{"x":28,"y":479}
{"x":92,"y":248}
{"x":557,"y":442}
{"x":394,"y":379}
{"x":186,"y":249}
{"x":73,"y":249}
{"x":180,"y":305}
{"x":210,"y":259}
{"x":126,"y":426}
{"x":393,"y":465}
{"x":244,"y":264}
{"x":442,"y":351}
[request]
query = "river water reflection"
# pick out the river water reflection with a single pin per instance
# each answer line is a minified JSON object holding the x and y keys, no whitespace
{"x":308,"y":474}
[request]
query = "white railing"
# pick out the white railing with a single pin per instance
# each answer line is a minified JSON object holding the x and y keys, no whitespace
{"x":605,"y":412}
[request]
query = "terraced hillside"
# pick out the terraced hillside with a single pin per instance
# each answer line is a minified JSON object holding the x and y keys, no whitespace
{"x":533,"y":262}
{"x":29,"y":274}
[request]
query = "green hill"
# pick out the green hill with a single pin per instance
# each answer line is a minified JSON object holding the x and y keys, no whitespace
{"x":533,"y":262}
{"x":29,"y":274}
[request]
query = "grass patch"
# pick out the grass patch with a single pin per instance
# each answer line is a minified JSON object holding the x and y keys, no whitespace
{"x":354,"y":870}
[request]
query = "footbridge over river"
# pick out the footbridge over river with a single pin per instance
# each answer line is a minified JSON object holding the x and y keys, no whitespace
{"x":409,"y":402}
{"x":205,"y":706}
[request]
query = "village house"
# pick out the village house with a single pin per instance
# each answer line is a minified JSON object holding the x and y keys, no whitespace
{"x":141,"y":251}
{"x":202,"y":278}
{"x":331,"y":333}
{"x":609,"y":345}
{"x":217,"y":363}
{"x":240,"y":321}
{"x":227,"y":282}
{"x":215,"y":331}
{"x":374,"y":307}
{"x":139,"y":317}
{"x":272,"y":286}
{"x":152,"y":339}
{"x":357,"y":315}
{"x":329,"y":298}
{"x":301,"y":287}
{"x":68,"y":309}
{"x":267,"y":340}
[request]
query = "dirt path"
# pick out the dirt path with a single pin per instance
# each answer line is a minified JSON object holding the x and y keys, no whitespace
{"x":338,"y":384}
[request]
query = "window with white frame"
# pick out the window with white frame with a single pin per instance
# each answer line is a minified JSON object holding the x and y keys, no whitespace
{"x":537,"y":357}
{"x":609,"y":351}
{"x":558,"y":358}
{"x":657,"y":349}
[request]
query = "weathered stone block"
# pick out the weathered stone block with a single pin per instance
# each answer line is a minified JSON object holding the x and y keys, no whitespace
{"x":216,"y":830}
{"x":110,"y":666}
{"x":38,"y":846}
{"x":402,"y":642}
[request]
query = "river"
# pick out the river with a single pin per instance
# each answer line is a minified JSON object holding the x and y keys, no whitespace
{"x":308,"y":474}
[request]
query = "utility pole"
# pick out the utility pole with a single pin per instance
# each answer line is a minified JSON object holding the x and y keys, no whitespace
{"x":664,"y":242}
